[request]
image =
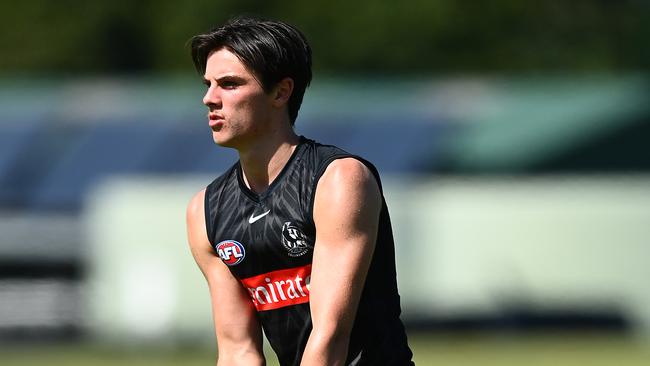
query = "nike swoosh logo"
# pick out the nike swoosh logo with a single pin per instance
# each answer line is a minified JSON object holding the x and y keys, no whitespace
{"x":255,"y":218}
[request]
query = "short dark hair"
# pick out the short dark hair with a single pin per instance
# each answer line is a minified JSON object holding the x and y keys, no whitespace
{"x":271,"y":50}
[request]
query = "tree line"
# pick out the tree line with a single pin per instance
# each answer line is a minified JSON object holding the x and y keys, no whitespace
{"x":350,"y":37}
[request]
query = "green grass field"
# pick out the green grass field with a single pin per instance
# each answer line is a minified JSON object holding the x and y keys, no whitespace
{"x":458,"y":349}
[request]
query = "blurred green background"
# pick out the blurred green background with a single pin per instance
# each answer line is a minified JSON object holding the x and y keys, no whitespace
{"x":362,"y":37}
{"x":512,"y":138}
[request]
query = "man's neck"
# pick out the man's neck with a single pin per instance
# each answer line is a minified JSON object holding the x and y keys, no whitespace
{"x":263,"y":162}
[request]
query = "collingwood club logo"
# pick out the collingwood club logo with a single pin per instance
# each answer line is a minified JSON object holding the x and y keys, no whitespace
{"x":294,"y":240}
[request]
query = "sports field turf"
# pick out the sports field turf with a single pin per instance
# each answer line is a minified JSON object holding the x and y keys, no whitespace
{"x":440,"y":349}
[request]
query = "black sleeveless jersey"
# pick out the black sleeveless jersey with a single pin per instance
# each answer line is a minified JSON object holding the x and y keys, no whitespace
{"x":267,"y":241}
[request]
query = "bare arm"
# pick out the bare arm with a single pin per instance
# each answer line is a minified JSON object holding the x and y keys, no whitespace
{"x":346,"y":213}
{"x":239,"y":336}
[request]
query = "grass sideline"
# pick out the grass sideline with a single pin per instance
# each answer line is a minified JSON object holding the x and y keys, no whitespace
{"x":429,"y":349}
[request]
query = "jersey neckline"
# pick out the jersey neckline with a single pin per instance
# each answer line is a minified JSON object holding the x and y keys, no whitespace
{"x":261,"y":196}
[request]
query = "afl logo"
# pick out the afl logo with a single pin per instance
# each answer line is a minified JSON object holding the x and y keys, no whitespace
{"x":294,"y":240}
{"x":231,"y":252}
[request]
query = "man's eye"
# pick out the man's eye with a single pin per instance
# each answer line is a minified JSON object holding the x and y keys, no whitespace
{"x":228,"y":85}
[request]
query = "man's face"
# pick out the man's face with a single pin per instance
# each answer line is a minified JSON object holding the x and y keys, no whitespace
{"x":238,"y":107}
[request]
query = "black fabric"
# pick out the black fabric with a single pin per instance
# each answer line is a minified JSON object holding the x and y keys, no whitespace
{"x":273,"y":254}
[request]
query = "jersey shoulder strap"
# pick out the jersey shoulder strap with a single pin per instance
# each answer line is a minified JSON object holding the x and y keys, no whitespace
{"x":213,"y":195}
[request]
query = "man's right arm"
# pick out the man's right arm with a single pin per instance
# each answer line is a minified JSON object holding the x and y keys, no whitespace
{"x":239,"y":335}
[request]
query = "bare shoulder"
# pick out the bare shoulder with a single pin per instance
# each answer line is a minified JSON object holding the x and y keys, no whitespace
{"x":195,"y":208}
{"x":348,"y":174}
{"x":347,"y":197}
{"x":195,"y":221}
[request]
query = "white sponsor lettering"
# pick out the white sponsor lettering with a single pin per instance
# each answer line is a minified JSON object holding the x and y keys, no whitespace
{"x":280,"y":288}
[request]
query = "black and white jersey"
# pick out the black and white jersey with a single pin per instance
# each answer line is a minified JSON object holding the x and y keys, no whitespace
{"x":267,"y":240}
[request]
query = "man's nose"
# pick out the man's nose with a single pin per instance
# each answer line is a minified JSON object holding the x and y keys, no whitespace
{"x":211,"y":97}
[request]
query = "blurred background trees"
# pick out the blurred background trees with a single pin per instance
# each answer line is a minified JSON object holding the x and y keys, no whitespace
{"x":366,"y":36}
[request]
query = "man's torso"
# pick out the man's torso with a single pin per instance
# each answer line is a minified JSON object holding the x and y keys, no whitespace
{"x":267,"y":240}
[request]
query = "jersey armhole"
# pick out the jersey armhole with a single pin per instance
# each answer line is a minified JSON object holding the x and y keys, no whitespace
{"x":206,"y":211}
{"x":216,"y":184}
{"x":321,"y":170}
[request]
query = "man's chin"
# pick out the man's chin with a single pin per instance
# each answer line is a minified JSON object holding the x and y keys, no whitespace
{"x":222,"y":141}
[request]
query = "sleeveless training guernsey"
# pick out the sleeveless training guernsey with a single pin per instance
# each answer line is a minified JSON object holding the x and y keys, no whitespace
{"x":267,"y":241}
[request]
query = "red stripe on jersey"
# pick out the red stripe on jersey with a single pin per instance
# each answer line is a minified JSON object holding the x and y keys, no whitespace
{"x":277,"y":289}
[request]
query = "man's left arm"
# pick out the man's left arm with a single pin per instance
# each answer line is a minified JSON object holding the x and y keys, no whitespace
{"x":346,"y":213}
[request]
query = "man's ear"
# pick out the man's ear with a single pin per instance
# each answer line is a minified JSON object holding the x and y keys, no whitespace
{"x":282,"y":92}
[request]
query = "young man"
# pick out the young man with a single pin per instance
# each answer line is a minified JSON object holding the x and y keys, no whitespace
{"x":295,"y":238}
